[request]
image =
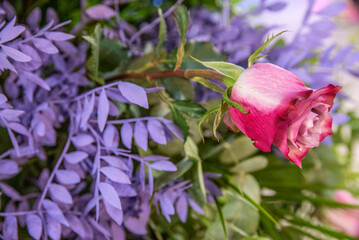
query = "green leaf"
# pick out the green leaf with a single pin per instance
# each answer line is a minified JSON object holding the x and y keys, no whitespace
{"x":237,"y":150}
{"x":220,"y":113}
{"x":226,"y":96}
{"x":93,"y":62}
{"x":208,"y":84}
{"x":221,"y":217}
{"x":191,"y":150}
{"x":206,"y":116}
{"x":180,"y":121}
{"x":112,"y":55}
{"x":250,"y":200}
{"x":254,"y":56}
{"x":190,"y":108}
{"x":182,"y":167}
{"x":182,"y":19}
{"x":162,"y":35}
{"x":227,"y":69}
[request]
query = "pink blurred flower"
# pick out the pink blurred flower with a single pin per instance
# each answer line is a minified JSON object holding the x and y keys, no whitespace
{"x":345,"y":220}
{"x":283,"y":111}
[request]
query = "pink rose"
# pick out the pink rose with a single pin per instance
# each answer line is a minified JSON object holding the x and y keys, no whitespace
{"x":345,"y":220}
{"x":283,"y":111}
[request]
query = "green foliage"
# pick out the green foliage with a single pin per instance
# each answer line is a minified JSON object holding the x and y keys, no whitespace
{"x":180,"y":121}
{"x":93,"y":63}
{"x":255,"y":56}
{"x":230,"y":70}
{"x":219,"y":115}
{"x":113,"y":55}
{"x":182,"y":20}
{"x":226,"y":98}
{"x":189,"y":108}
{"x":162,"y":34}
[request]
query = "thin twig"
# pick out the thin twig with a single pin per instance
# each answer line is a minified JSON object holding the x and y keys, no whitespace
{"x":148,"y":27}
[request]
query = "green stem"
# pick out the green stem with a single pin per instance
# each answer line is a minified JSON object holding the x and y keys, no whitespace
{"x":190,"y":73}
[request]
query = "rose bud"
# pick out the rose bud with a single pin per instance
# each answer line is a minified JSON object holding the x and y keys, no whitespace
{"x":282,"y":110}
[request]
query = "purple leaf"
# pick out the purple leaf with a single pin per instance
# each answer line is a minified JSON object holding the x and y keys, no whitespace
{"x":11,"y":114}
{"x":54,"y":211}
{"x":23,"y":207}
{"x":114,"y":213}
{"x":195,"y":206}
{"x":182,"y":208}
{"x":126,"y":134}
{"x":116,"y":175}
{"x":8,"y":167}
{"x":82,"y":140}
{"x":53,"y":229}
{"x":76,"y":225}
{"x":3,"y":98}
{"x":133,"y":93}
{"x":332,"y":9}
{"x":156,"y":131}
{"x":36,"y":79}
{"x":111,"y":136}
{"x":87,"y":110}
{"x":58,"y":36}
{"x":118,"y":232}
{"x":9,"y":32}
{"x":102,"y":110}
{"x":100,"y":12}
{"x":137,"y":224}
{"x":174,"y":129}
{"x":60,"y":193}
{"x":99,"y":227}
{"x":67,"y":177}
{"x":164,"y":166}
{"x":15,"y":54}
{"x":141,"y":135}
{"x":34,"y":226}
{"x":45,"y":45}
{"x":142,"y":175}
{"x":44,"y":177}
{"x":35,"y":57}
{"x":18,"y":128}
{"x":126,"y":190}
{"x":155,"y":89}
{"x":76,"y":157}
{"x":115,"y":162}
{"x":5,"y":64}
{"x":156,"y":158}
{"x":10,"y":191}
{"x":34,"y":18}
{"x":150,"y":181}
{"x":167,"y":207}
{"x":10,"y":228}
{"x":277,"y":6}
{"x":110,"y":195}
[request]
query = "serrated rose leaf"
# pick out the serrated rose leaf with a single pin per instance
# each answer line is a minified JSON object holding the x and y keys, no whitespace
{"x":110,"y":195}
{"x":76,"y":157}
{"x":156,"y":131}
{"x":55,"y":212}
{"x":116,"y":175}
{"x":34,"y":226}
{"x":102,"y":110}
{"x":141,"y":135}
{"x":164,"y":166}
{"x":133,"y":93}
{"x":67,"y":177}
